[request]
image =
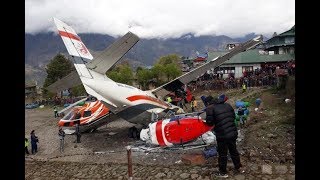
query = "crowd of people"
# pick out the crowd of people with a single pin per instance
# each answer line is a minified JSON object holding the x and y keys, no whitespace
{"x":57,"y":101}
{"x":264,"y":76}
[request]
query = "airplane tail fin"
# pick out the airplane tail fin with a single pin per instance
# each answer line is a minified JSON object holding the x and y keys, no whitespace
{"x":72,"y":41}
{"x":76,"y":48}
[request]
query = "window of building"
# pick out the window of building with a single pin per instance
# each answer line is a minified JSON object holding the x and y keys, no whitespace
{"x":225,"y":70}
{"x":289,"y":40}
{"x":291,"y":50}
{"x":247,"y":68}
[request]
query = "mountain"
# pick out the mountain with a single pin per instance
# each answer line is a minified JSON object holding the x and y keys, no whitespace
{"x":41,"y":48}
{"x":249,"y":36}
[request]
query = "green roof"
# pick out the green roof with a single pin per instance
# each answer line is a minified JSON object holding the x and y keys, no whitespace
{"x":252,"y":56}
{"x":284,"y":39}
{"x":290,"y":32}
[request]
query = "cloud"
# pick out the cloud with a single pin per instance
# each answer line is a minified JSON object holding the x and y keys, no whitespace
{"x":162,"y":18}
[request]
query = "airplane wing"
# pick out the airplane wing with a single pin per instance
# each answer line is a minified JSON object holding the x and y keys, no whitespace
{"x":188,"y":77}
{"x":104,"y":61}
{"x":72,"y":105}
{"x":113,"y":53}
{"x":69,"y":81}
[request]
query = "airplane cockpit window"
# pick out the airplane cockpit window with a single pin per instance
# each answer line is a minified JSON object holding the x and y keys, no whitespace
{"x":86,"y":113}
{"x":68,"y":116}
{"x":78,"y":116}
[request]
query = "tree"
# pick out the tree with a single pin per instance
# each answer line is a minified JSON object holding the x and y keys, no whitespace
{"x":143,"y":77}
{"x":172,"y":71}
{"x":78,"y":90}
{"x":122,"y":74}
{"x":157,"y":72}
{"x":169,"y":59}
{"x":57,"y":68}
{"x":166,"y":69}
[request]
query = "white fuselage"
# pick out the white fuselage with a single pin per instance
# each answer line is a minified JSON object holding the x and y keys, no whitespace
{"x":130,"y":103}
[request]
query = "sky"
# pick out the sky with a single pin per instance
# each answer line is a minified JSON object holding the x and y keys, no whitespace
{"x":162,"y":18}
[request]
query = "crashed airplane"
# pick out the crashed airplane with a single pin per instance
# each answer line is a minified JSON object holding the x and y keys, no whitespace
{"x":121,"y":100}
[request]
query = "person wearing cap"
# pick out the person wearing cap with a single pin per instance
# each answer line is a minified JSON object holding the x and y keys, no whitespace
{"x":223,"y":97}
{"x":221,"y":115}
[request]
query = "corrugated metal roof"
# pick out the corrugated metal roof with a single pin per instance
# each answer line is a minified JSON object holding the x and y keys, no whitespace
{"x":280,"y":40}
{"x":290,"y":32}
{"x":252,"y":56}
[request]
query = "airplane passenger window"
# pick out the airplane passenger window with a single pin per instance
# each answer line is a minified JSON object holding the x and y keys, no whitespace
{"x":86,"y":113}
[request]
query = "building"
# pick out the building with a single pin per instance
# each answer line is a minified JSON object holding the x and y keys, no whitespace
{"x":201,"y":57}
{"x":282,"y":43}
{"x":277,"y":50}
{"x":248,"y":61}
{"x":32,"y":90}
{"x":231,"y":45}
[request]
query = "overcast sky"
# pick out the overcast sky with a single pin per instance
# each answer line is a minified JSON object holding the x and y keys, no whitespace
{"x":162,"y":18}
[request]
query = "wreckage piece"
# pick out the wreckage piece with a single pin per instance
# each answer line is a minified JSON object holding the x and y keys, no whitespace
{"x":177,"y":130}
{"x":90,"y":116}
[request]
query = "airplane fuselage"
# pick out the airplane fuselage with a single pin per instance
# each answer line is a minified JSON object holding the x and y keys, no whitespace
{"x":128,"y":102}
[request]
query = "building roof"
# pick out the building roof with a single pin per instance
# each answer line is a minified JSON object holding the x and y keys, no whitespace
{"x":252,"y":56}
{"x":26,"y":91}
{"x":30,"y":84}
{"x":290,"y":32}
{"x":283,"y":39}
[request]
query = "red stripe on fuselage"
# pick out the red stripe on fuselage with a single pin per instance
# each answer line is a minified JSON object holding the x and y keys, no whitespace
{"x":143,"y":97}
{"x":159,"y":133}
{"x":69,"y":35}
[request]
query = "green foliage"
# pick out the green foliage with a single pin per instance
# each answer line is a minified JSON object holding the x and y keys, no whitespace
{"x":169,"y":59}
{"x":143,"y":77}
{"x":172,"y":71}
{"x":57,"y":68}
{"x":157,"y":72}
{"x":122,"y":74}
{"x":167,"y":68}
{"x":139,"y":69}
{"x":78,"y":90}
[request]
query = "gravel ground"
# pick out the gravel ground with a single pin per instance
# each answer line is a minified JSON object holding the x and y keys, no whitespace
{"x":102,"y":155}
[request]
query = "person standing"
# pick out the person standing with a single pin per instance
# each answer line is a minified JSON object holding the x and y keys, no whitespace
{"x":222,"y":116}
{"x":244,"y":88}
{"x":61,"y":138}
{"x":169,"y":100}
{"x":193,"y":104}
{"x":55,"y":111}
{"x":34,"y":141}
{"x":78,"y":134}
{"x":258,"y":102}
{"x":26,"y":144}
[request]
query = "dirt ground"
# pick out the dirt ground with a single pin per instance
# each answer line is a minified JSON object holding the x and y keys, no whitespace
{"x":269,"y":135}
